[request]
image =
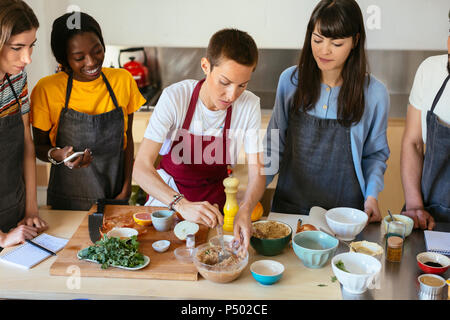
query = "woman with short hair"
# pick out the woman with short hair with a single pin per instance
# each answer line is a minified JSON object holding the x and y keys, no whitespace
{"x":195,"y":127}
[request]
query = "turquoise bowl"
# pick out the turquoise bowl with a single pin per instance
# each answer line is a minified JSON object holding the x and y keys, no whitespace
{"x":266,"y":272}
{"x":314,"y":248}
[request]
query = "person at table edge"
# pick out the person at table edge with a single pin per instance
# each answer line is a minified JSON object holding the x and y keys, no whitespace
{"x":202,"y":119}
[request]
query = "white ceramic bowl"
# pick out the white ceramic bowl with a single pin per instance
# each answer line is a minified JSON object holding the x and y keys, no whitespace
{"x":346,"y":223}
{"x":122,"y":233}
{"x":363,"y":271}
{"x":161,"y":245}
{"x":371,"y":248}
{"x":400,"y":217}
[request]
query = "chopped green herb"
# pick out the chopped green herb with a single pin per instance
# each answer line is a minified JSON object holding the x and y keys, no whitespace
{"x":333,"y":279}
{"x":340,"y":265}
{"x":114,"y":252}
{"x":322,"y":285}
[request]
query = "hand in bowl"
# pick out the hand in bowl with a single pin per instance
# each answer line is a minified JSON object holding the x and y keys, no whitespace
{"x":243,"y":228}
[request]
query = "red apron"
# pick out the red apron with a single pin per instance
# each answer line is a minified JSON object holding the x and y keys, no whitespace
{"x":198,"y":164}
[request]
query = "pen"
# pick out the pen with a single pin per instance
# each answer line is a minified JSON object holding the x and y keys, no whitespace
{"x":40,"y":247}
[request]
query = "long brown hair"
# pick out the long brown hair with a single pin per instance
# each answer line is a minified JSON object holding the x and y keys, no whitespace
{"x":335,"y":19}
{"x":15,"y":17}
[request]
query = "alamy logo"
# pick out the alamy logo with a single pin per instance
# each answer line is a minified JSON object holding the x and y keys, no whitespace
{"x":74,"y":20}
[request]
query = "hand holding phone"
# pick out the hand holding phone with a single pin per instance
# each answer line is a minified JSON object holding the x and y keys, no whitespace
{"x":78,"y":160}
{"x":73,"y":156}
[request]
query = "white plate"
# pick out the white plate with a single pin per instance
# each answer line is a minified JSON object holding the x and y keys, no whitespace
{"x":146,"y":262}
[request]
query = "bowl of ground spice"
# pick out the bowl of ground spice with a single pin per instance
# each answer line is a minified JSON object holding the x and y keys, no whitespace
{"x":270,"y":237}
{"x":431,"y":285}
{"x":211,"y":267}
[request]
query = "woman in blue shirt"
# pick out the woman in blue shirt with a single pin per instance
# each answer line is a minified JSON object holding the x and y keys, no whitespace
{"x":327,"y":135}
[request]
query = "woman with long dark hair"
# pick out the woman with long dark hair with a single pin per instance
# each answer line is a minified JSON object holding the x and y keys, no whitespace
{"x":19,"y":216}
{"x":331,"y":116}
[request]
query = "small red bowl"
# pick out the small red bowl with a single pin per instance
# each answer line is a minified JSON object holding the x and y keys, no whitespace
{"x":424,"y":257}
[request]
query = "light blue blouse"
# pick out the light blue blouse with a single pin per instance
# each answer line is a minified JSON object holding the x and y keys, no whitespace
{"x":369,"y":145}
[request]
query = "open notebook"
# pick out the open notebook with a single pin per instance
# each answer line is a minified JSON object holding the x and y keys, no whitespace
{"x":437,"y":241}
{"x":27,"y":255}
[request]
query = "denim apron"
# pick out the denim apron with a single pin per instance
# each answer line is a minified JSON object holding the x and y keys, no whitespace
{"x":12,"y":184}
{"x":436,"y":166}
{"x":317,"y":167}
{"x":78,"y":189}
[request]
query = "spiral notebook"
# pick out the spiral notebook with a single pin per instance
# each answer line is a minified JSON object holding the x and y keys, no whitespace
{"x":27,"y":256}
{"x":437,"y":241}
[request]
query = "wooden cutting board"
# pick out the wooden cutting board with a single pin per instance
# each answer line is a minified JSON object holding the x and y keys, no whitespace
{"x":162,"y":265}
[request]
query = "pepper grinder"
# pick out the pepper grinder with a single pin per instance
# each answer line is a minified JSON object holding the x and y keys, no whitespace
{"x":231,"y":206}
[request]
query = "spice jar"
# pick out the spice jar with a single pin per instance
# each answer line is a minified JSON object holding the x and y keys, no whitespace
{"x":395,"y":237}
{"x":190,"y":241}
{"x":394,"y":249}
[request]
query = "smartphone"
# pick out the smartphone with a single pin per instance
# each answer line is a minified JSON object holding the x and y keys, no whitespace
{"x":73,"y":156}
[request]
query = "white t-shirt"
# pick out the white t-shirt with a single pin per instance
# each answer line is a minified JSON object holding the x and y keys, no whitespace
{"x":428,"y":80}
{"x":171,"y":110}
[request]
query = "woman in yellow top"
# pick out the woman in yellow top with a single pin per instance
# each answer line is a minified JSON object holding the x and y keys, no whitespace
{"x":85,"y":108}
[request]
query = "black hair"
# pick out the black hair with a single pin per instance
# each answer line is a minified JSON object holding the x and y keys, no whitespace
{"x":67,"y":26}
{"x":232,"y":44}
{"x":335,"y":19}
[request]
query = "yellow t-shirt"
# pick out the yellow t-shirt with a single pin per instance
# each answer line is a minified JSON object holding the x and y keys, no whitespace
{"x":49,"y":95}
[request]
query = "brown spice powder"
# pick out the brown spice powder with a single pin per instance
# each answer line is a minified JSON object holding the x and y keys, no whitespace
{"x":270,"y":230}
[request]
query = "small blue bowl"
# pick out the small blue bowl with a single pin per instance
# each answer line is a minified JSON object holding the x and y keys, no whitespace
{"x":314,"y":248}
{"x":267,"y":272}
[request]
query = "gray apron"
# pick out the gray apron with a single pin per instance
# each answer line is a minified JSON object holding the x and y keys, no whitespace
{"x":78,"y":189}
{"x":12,"y":184}
{"x":317,"y":167}
{"x":436,"y":166}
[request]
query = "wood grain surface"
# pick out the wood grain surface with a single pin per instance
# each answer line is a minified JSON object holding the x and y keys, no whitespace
{"x":162,"y":265}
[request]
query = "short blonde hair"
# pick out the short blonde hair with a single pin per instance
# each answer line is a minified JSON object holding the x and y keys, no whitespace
{"x":15,"y":17}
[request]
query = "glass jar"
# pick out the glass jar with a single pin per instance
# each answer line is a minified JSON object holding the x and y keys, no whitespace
{"x":394,"y":249}
{"x":395,"y":237}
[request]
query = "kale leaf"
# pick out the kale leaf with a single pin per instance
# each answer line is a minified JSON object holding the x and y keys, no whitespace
{"x":112,"y":251}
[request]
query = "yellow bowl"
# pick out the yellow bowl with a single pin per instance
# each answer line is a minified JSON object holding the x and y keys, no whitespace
{"x":142,"y":218}
{"x":400,"y":217}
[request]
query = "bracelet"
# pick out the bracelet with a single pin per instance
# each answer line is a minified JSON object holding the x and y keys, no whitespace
{"x":176,"y":199}
{"x":49,"y":157}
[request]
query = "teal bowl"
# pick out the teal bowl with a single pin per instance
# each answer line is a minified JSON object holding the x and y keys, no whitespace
{"x":314,"y":248}
{"x":270,"y":247}
{"x":266,"y":272}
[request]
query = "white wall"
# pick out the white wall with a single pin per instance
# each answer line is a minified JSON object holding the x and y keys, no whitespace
{"x":403,"y":24}
{"x":43,"y":62}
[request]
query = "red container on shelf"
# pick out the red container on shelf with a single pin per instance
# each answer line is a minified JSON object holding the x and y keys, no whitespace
{"x":138,"y":71}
